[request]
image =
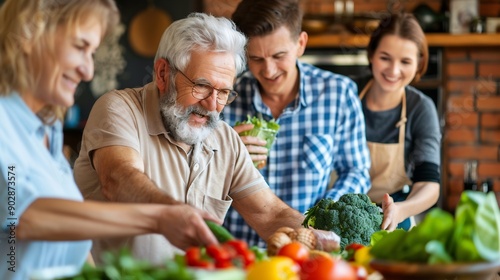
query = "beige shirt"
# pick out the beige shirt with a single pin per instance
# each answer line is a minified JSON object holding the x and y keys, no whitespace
{"x":215,"y":173}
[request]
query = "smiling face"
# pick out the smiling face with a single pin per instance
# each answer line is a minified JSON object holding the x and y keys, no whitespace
{"x":272,"y":60}
{"x":188,"y":118}
{"x":394,"y":64}
{"x":72,"y":63}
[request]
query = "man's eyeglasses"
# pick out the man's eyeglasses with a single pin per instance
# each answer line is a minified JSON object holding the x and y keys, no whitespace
{"x":202,"y":91}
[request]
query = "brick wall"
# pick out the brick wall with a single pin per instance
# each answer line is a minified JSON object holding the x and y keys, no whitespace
{"x":472,"y":106}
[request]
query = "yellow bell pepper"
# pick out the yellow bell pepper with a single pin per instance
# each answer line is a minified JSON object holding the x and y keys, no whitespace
{"x":274,"y":268}
{"x":363,"y":257}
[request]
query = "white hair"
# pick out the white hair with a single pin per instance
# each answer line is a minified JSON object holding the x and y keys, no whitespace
{"x":201,"y":32}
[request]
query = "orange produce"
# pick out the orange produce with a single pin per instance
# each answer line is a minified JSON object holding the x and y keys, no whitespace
{"x":295,"y":251}
{"x":326,"y":268}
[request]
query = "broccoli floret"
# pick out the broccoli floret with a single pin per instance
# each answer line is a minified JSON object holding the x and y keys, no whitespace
{"x":353,"y":217}
{"x":355,"y":199}
{"x":326,"y":218}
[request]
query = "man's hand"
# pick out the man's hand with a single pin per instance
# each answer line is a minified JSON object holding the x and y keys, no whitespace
{"x":184,"y":226}
{"x":255,"y":146}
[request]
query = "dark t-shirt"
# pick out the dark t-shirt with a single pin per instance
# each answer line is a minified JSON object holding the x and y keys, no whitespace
{"x":422,"y":135}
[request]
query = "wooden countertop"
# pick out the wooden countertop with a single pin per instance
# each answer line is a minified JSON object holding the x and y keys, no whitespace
{"x":434,"y":40}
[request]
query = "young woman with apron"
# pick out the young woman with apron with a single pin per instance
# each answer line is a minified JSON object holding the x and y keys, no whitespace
{"x":387,"y":173}
{"x":407,"y":145}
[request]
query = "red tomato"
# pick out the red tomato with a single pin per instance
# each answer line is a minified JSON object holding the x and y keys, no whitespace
{"x":218,"y":253}
{"x":230,"y":250}
{"x":295,"y":251}
{"x":248,"y":258}
{"x":354,"y":246}
{"x":326,"y":268}
{"x":239,"y":245}
{"x":223,"y":264}
{"x":193,"y":255}
{"x":193,"y":258}
{"x":204,"y":264}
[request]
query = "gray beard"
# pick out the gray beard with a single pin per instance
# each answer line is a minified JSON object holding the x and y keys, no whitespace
{"x":176,"y":118}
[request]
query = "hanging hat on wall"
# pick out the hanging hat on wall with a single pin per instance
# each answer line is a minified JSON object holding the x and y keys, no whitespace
{"x":146,"y":29}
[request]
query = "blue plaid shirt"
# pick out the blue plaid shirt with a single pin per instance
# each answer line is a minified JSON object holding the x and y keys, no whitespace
{"x":321,"y":131}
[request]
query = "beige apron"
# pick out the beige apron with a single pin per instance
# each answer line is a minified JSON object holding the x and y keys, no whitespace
{"x":387,"y":171}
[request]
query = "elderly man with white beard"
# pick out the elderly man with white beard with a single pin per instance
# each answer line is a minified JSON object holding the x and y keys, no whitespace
{"x":165,"y":142}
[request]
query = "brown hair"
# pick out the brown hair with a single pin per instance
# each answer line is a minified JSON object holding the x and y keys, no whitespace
{"x":405,"y":26}
{"x":27,"y":38}
{"x":262,"y":17}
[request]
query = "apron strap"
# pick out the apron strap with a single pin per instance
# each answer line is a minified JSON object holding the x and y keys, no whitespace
{"x":365,"y":89}
{"x":402,"y":121}
{"x":402,"y":124}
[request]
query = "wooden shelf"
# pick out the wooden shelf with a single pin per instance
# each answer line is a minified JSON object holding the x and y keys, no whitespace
{"x":434,"y":40}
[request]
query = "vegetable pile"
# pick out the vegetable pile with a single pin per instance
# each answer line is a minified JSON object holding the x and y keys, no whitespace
{"x":124,"y":266}
{"x":230,"y":253}
{"x":353,"y":217}
{"x":226,"y":260}
{"x":232,"y":259}
{"x":300,"y":259}
{"x":473,"y":235}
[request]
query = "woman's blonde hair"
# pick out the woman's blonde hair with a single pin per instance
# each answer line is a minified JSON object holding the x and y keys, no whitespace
{"x":27,"y":38}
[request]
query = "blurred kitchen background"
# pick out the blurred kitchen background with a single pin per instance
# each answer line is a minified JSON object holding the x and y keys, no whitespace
{"x":463,"y":77}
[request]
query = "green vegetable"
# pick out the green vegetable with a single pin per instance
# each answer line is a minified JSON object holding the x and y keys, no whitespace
{"x":461,"y":246}
{"x":259,"y":123}
{"x":260,"y":254}
{"x":265,"y":130}
{"x":477,"y":231}
{"x":388,"y":246}
{"x":410,"y":246}
{"x":123,"y":266}
{"x":220,"y":274}
{"x":473,"y":235}
{"x":220,"y":232}
{"x":437,"y":252}
{"x":413,"y":245}
{"x":480,"y":224}
{"x":376,"y":236}
{"x":353,"y":217}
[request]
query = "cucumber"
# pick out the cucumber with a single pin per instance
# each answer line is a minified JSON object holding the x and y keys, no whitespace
{"x":220,"y":232}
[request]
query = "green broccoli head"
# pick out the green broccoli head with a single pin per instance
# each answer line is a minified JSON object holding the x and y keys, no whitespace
{"x":353,"y":217}
{"x":356,"y":199}
{"x":359,"y":225}
{"x":325,"y":219}
{"x":319,"y":216}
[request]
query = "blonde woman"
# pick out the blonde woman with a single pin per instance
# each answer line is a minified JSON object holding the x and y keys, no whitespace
{"x":46,"y":50}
